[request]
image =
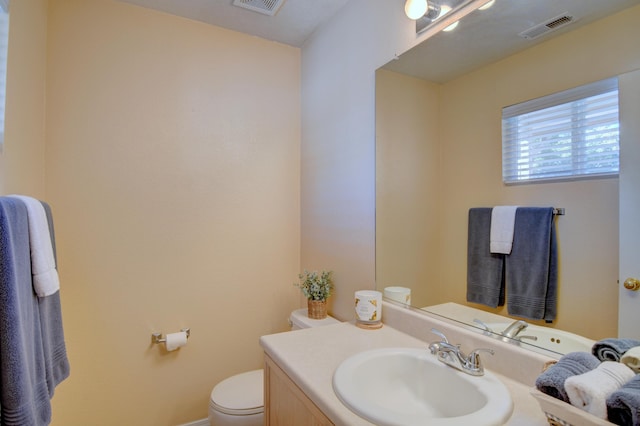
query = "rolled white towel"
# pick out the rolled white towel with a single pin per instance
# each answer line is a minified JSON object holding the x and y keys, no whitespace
{"x":589,"y":391}
{"x":631,"y":359}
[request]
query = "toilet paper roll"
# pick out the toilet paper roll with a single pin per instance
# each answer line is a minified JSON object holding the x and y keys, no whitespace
{"x":399,"y":294}
{"x":368,"y":306}
{"x":176,"y":340}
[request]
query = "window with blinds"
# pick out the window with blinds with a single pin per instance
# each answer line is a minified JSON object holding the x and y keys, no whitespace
{"x":4,"y":44}
{"x":567,"y":135}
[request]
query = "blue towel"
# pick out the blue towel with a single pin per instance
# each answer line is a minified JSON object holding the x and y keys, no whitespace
{"x":623,"y":405}
{"x":24,"y":394}
{"x":532,"y":267}
{"x":612,"y":349}
{"x":551,"y":381}
{"x":485,"y":270}
{"x":55,"y":352}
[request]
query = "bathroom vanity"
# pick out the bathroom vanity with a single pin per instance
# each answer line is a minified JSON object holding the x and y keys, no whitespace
{"x":285,"y":403}
{"x":299,"y":367}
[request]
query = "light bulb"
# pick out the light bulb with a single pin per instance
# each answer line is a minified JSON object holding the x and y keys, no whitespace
{"x":487,"y":5}
{"x":444,"y":9}
{"x":452,"y":26}
{"x":415,"y":9}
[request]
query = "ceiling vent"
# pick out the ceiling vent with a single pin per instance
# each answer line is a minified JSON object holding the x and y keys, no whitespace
{"x":266,"y":7}
{"x":548,"y":26}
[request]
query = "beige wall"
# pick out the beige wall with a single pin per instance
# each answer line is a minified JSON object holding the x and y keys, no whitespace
{"x":338,"y":143}
{"x":470,"y":170}
{"x":172,"y":167}
{"x":22,"y":157}
{"x":111,"y":165}
{"x":407,"y":182}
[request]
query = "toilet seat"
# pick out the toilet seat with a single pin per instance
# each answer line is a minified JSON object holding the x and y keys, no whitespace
{"x":240,"y":395}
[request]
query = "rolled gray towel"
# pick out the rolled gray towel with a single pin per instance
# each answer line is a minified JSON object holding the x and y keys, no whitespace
{"x":612,"y":349}
{"x":623,"y":405}
{"x":551,"y":382}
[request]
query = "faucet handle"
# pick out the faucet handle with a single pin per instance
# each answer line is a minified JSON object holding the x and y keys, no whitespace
{"x":483,"y":325}
{"x":475,"y":352}
{"x":473,"y":360}
{"x":441,"y":334}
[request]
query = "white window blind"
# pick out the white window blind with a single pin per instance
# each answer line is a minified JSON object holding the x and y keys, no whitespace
{"x":4,"y":45}
{"x":565,"y":135}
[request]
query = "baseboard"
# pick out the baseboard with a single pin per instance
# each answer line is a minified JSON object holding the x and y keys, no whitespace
{"x":203,"y":422}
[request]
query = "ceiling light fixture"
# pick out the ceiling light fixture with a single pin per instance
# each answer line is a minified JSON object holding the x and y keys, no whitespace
{"x":441,"y":14}
{"x":444,"y":9}
{"x":415,"y":9}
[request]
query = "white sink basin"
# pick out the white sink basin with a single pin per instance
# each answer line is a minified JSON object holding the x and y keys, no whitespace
{"x":548,"y":338}
{"x":408,"y":386}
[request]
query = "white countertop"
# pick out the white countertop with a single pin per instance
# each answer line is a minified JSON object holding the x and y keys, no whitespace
{"x":310,"y":356}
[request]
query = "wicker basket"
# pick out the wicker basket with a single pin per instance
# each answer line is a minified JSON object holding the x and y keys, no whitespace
{"x":559,"y":413}
{"x":317,"y":309}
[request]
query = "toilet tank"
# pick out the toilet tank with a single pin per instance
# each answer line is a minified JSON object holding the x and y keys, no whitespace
{"x":300,"y":319}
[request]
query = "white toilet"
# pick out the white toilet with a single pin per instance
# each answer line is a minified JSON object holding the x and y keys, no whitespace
{"x":239,"y":400}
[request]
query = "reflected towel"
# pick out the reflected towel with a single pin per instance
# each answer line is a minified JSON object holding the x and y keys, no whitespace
{"x":503,"y":220}
{"x":631,"y":359}
{"x":532,"y":267}
{"x":589,"y":391}
{"x":43,"y":265}
{"x":485,"y":270}
{"x":551,"y":382}
{"x":53,"y":344}
{"x":623,"y":405}
{"x":611,"y":349}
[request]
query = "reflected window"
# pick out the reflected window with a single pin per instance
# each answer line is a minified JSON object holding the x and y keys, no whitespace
{"x":567,"y":135}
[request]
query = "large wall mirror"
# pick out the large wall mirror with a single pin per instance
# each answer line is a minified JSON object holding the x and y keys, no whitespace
{"x":438,"y":149}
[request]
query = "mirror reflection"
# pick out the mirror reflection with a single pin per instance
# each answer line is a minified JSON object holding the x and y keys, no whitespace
{"x":438,"y":150}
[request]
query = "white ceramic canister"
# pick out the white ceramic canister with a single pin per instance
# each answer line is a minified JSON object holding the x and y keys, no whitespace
{"x":368,"y":307}
{"x":399,"y":294}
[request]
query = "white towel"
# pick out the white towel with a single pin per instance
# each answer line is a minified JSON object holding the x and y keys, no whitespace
{"x":589,"y":391}
{"x":503,"y":219}
{"x":43,"y":266}
{"x":631,"y":359}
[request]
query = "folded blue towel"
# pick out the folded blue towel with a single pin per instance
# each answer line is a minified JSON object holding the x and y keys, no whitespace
{"x":623,"y":405}
{"x":485,"y":270}
{"x":612,"y":349}
{"x":532,"y":267}
{"x":53,"y":344}
{"x":551,"y":381}
{"x":24,"y":394}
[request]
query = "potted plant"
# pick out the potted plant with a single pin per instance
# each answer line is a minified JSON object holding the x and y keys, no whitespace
{"x":317,"y":288}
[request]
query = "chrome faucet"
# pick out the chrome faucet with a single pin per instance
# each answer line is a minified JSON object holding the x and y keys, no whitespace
{"x":514,"y":329}
{"x":452,"y":355}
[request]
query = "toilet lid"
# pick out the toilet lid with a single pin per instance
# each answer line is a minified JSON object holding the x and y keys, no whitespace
{"x":242,"y":394}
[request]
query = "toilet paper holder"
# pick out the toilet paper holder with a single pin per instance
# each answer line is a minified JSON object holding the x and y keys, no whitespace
{"x":157,"y":337}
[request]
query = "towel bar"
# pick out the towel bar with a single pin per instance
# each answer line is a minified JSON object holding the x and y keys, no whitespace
{"x":558,"y":211}
{"x":157,"y":337}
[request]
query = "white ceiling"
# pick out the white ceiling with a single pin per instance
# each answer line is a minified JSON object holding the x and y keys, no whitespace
{"x":295,"y":21}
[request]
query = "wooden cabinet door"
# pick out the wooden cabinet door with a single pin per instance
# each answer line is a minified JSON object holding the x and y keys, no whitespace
{"x":285,"y":404}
